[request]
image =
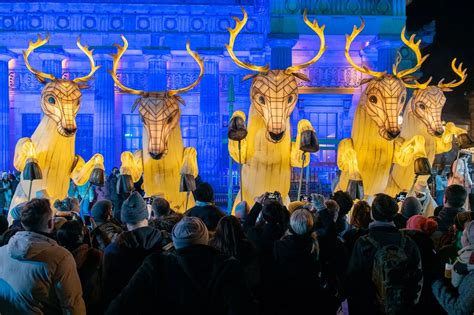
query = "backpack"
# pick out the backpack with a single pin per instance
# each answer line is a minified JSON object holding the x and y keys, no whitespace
{"x":396,"y":281}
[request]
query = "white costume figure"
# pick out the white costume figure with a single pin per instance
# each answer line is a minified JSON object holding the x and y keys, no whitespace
{"x":461,"y":175}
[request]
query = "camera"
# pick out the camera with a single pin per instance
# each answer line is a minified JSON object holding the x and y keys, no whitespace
{"x":305,"y":198}
{"x":401,"y":196}
{"x":273,"y":196}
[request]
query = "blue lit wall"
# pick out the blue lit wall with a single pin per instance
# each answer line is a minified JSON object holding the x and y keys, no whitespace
{"x":157,"y":32}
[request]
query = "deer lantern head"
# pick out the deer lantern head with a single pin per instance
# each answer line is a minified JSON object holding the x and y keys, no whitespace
{"x":385,"y":94}
{"x":159,"y":111}
{"x":61,"y":98}
{"x":428,"y":101}
{"x":274,"y":93}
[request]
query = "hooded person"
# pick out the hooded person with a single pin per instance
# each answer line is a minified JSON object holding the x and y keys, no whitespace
{"x":126,"y":253}
{"x":105,"y":228}
{"x":411,"y":206}
{"x":428,"y":203}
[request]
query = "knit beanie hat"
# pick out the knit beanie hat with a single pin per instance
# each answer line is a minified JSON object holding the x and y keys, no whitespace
{"x":134,"y":209}
{"x":189,"y":231}
{"x":384,"y":208}
{"x":468,"y":235}
{"x":204,"y":193}
{"x":318,"y":201}
{"x":411,"y":206}
{"x":101,"y":210}
{"x":421,"y":223}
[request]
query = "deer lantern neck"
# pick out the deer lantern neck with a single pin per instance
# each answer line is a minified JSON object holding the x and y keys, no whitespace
{"x":159,"y":111}
{"x":60,"y":98}
{"x":385,"y":94}
{"x":428,"y":101}
{"x":274,"y":93}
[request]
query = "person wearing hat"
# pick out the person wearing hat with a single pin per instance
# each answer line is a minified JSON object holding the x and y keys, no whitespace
{"x":105,"y":228}
{"x":411,"y":206}
{"x":459,"y":300}
{"x":164,"y":218}
{"x":449,"y":253}
{"x":205,"y":209}
{"x":194,"y":279}
{"x":126,"y":253}
{"x":428,"y":203}
{"x":382,"y":231}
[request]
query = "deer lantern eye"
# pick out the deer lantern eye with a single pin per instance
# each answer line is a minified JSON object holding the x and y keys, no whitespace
{"x":373,"y":99}
{"x":402,"y":99}
{"x":421,"y":106}
{"x":170,"y":120}
{"x":51,"y":100}
{"x":290,"y":99}
{"x":261,"y":99}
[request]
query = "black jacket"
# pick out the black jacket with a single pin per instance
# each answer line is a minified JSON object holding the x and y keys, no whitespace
{"x":125,"y":255}
{"x":104,"y":234}
{"x":209,"y":214}
{"x":193,"y":280}
{"x":446,"y":217}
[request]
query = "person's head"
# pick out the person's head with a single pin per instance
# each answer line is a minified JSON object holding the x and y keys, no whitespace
{"x":134,"y":212}
{"x":344,"y":201}
{"x":468,"y":234}
{"x":189,"y":231}
{"x":302,"y":222}
{"x":423,"y":224}
{"x":115,"y":171}
{"x":102,"y":211}
{"x":70,"y":235}
{"x":333,"y":208}
{"x":461,"y":219}
{"x":67,"y":204}
{"x":318,"y":201}
{"x":273,"y":212}
{"x":360,"y":217}
{"x":36,"y":215}
{"x":384,"y":208}
{"x":4,"y":175}
{"x":228,"y":234}
{"x":204,"y":193}
{"x":160,"y":207}
{"x":455,"y":196}
{"x":411,"y":206}
{"x":241,"y":210}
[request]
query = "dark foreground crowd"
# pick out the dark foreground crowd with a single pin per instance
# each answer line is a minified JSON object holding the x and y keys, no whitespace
{"x":307,"y":258}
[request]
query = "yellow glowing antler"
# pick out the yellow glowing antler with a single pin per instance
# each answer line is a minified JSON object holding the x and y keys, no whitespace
{"x":120,"y":51}
{"x":349,"y":38}
{"x":41,"y":76}
{"x":415,"y":47}
{"x":462,"y":73}
{"x":322,"y":46}
{"x":88,"y":53}
{"x":230,"y":47}
{"x":201,"y":72}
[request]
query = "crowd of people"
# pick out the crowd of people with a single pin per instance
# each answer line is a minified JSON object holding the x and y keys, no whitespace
{"x":130,"y":255}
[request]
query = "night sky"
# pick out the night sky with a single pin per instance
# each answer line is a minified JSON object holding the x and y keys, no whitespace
{"x":454,"y":38}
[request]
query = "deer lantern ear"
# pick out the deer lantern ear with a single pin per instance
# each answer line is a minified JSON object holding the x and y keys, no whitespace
{"x":180,"y":100}
{"x":300,"y":76}
{"x":365,"y":81}
{"x":83,"y":86}
{"x":249,"y":76}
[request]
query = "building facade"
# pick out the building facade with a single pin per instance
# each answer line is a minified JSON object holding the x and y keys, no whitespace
{"x":157,"y":32}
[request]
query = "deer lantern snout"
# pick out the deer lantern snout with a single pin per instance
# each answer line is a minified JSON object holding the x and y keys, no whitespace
{"x":427,"y":105}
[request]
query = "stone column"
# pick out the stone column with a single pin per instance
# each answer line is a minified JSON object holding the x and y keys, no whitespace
{"x":52,"y":57}
{"x":104,"y":108}
{"x":281,"y":46}
{"x":209,"y":133}
{"x":5,"y":162}
{"x":157,"y":67}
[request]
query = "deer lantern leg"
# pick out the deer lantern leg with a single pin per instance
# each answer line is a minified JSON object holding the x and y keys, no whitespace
{"x":24,"y":150}
{"x":348,"y":164}
{"x":82,"y":170}
{"x":132,"y":164}
{"x":445,"y":142}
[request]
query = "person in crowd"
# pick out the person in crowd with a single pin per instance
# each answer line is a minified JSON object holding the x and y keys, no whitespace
{"x":231,"y":240}
{"x":384,"y":251}
{"x":461,"y":175}
{"x":14,"y":180}
{"x":454,"y":198}
{"x":126,"y":253}
{"x":105,"y":228}
{"x":359,"y":223}
{"x":428,"y":203}
{"x":112,"y":194}
{"x":195,"y":279}
{"x":67,"y":208}
{"x":345,"y":203}
{"x":441,"y":182}
{"x":6,"y":193}
{"x":205,"y":209}
{"x":449,"y":252}
{"x":163,"y":217}
{"x":88,"y":263}
{"x":420,"y":229}
{"x":458,"y":296}
{"x":411,"y":206}
{"x":37,"y":275}
{"x":86,"y":196}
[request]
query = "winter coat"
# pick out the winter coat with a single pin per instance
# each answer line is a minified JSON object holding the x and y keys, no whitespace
{"x":165,"y":222}
{"x":400,"y":221}
{"x":194,"y":280}
{"x":456,"y":302}
{"x":446,"y":217}
{"x":125,"y":255}
{"x":351,"y":236}
{"x":104,"y":234}
{"x":209,"y":214}
{"x":89,"y":266}
{"x":37,"y":276}
{"x":360,"y":289}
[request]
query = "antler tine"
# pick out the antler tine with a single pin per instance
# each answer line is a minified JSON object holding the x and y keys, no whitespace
{"x":201,"y":72}
{"x":462,"y":73}
{"x":116,"y":58}
{"x":415,"y":47}
{"x":230,"y":47}
{"x":88,"y":52}
{"x":418,"y":85}
{"x":349,"y":38}
{"x":41,"y":76}
{"x":322,"y":46}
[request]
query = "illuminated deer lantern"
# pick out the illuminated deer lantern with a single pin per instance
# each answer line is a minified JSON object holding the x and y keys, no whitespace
{"x":423,"y":117}
{"x":267,"y":153}
{"x":52,"y":143}
{"x":375,"y":143}
{"x":164,"y":158}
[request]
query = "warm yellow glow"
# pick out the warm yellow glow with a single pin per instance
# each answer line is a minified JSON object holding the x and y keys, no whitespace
{"x":88,"y":53}
{"x":32,"y":46}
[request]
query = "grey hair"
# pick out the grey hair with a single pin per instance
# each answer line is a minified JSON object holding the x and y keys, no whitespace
{"x":301,"y":221}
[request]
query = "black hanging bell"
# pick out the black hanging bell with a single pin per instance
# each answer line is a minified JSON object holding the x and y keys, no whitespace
{"x":422,"y":166}
{"x":237,"y":130}
{"x":309,"y":141}
{"x":97,"y":177}
{"x":124,"y":184}
{"x":32,"y":170}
